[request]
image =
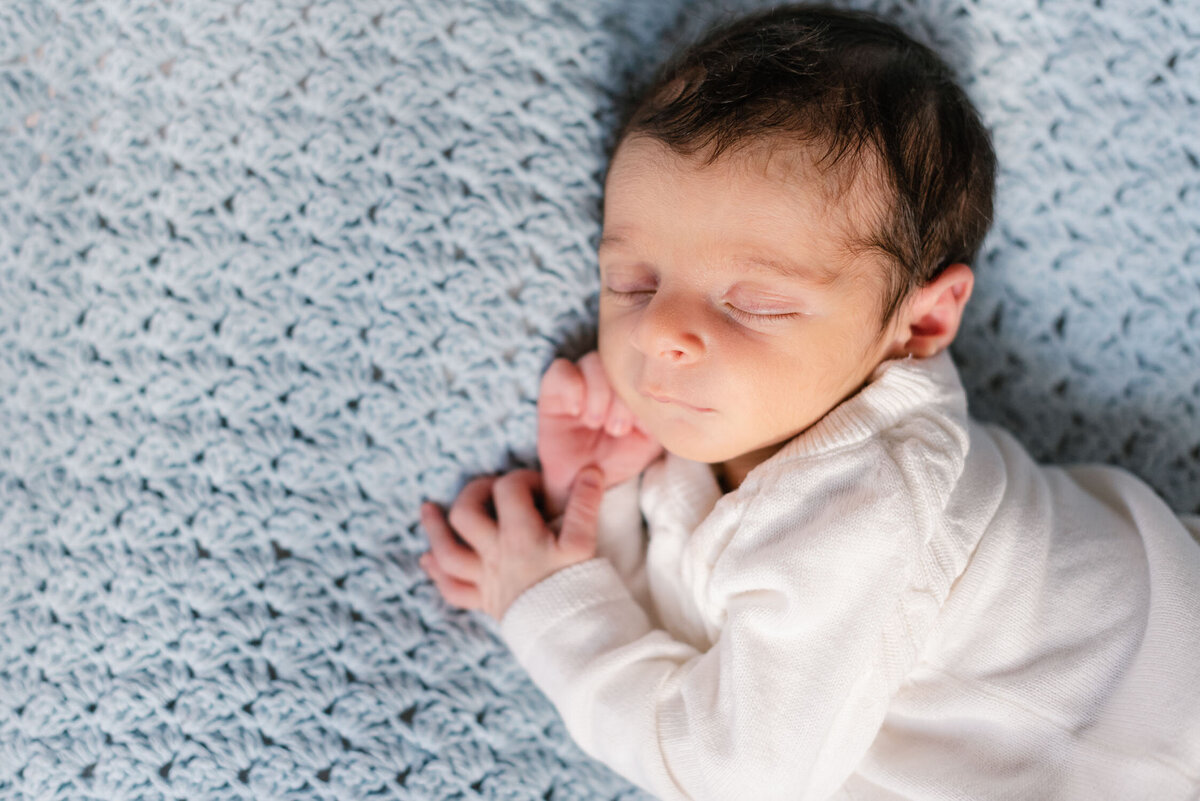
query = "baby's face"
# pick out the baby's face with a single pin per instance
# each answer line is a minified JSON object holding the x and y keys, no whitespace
{"x":731,"y":318}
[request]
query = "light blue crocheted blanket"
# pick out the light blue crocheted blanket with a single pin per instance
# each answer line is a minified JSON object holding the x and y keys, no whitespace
{"x":274,"y":271}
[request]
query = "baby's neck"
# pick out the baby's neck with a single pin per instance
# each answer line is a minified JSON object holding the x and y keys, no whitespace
{"x":732,"y":472}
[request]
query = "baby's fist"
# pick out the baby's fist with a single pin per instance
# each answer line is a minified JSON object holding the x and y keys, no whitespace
{"x":581,"y":421}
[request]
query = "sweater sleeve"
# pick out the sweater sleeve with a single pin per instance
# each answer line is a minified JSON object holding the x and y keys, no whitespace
{"x":808,"y":599}
{"x":620,"y":535}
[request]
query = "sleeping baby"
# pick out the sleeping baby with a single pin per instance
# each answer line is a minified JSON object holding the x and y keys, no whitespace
{"x":769,"y":554}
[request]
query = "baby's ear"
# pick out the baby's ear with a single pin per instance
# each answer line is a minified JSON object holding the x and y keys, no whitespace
{"x":930,"y":317}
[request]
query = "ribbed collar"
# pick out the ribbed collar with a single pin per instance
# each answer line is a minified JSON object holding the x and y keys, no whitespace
{"x":896,"y":390}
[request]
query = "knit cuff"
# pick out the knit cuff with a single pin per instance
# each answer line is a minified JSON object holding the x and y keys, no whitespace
{"x":556,"y":627}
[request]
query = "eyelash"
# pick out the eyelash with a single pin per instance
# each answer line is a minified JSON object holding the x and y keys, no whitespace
{"x":737,"y":314}
{"x":747,"y":317}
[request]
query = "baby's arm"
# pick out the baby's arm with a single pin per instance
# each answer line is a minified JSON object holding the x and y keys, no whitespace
{"x":786,"y":701}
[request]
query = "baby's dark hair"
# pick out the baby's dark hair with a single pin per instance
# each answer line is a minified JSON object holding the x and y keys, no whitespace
{"x":860,"y":90}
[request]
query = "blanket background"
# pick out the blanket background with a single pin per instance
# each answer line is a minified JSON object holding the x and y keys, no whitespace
{"x":273,"y":272}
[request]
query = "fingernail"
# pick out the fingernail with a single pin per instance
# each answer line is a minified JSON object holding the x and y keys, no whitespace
{"x":590,"y":476}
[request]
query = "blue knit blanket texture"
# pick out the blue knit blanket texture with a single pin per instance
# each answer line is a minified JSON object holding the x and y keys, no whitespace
{"x":272,"y":272}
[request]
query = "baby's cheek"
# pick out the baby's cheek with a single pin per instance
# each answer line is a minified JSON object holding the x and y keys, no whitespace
{"x":610,"y":349}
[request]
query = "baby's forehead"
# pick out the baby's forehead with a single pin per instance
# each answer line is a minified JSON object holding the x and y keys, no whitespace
{"x":846,"y":194}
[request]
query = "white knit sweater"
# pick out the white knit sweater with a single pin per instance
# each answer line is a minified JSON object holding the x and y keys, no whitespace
{"x":898,"y":604}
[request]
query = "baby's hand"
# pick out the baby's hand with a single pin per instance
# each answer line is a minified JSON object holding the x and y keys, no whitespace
{"x":505,"y":545}
{"x":582,"y":421}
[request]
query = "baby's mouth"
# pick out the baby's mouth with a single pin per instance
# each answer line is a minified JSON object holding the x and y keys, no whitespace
{"x":667,"y":399}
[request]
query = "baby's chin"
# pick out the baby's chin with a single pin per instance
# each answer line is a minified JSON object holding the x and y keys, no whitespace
{"x":716,"y":447}
{"x":697,"y":448}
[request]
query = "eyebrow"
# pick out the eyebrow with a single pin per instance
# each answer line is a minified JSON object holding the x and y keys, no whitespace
{"x":821,"y":276}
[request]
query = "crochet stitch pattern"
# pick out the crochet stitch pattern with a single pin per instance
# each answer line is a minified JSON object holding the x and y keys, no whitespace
{"x":272,"y":272}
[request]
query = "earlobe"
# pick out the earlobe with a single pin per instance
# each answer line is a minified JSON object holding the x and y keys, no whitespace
{"x":933,"y":313}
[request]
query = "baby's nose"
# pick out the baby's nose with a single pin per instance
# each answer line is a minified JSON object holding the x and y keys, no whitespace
{"x":669,"y":331}
{"x":675,"y":354}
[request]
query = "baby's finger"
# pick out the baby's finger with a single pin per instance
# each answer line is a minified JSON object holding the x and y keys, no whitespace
{"x":562,"y":390}
{"x":471,"y":515}
{"x":620,"y":418}
{"x":456,"y":559}
{"x":455,"y":592}
{"x":599,"y":392}
{"x":516,"y":504}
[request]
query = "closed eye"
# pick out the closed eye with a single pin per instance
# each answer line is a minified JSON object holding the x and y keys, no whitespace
{"x":627,"y":297}
{"x":741,"y":315}
{"x":760,"y":317}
